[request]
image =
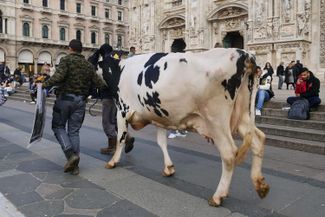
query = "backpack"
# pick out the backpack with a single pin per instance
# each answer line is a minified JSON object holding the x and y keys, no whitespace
{"x":299,"y":110}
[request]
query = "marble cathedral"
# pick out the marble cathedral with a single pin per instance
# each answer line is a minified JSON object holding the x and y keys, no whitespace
{"x":274,"y":30}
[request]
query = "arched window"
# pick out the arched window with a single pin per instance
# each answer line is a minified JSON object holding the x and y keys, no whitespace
{"x":45,"y":3}
{"x":78,"y":35}
{"x":62,"y":5}
{"x":1,"y":30}
{"x":45,"y":31}
{"x":26,"y":29}
{"x":106,"y":38}
{"x":62,"y":34}
{"x":119,"y":41}
{"x":93,"y":37}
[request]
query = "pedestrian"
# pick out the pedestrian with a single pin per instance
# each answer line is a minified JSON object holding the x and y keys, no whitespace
{"x":178,"y":46}
{"x":264,"y":92}
{"x":269,"y":68}
{"x":18,"y":75}
{"x":4,"y":71}
{"x":131,"y":52}
{"x":73,"y":77}
{"x":280,"y":74}
{"x":289,"y":75}
{"x":308,"y":88}
{"x":108,"y":95}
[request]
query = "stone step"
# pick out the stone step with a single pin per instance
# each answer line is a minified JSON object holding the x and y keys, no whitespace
{"x":296,"y":144}
{"x":293,"y":132}
{"x":309,"y":124}
{"x":279,"y":105}
{"x":50,"y":100}
{"x":317,"y":115}
{"x":94,"y":110}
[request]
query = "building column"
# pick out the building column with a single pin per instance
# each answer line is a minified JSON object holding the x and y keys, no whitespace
{"x":35,"y":66}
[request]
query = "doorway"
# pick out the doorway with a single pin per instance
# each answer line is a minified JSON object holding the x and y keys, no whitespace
{"x":233,"y":39}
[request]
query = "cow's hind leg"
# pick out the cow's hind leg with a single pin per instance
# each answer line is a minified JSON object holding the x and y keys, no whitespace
{"x":122,"y":132}
{"x":227,"y":149}
{"x":169,"y":168}
{"x":261,"y":187}
{"x":257,"y":138}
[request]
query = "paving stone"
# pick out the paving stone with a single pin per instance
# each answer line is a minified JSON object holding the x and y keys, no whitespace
{"x":22,"y":156}
{"x":22,"y":183}
{"x":25,"y":198}
{"x":11,"y":149}
{"x":4,"y":142}
{"x":124,"y":208}
{"x":90,"y":199}
{"x":6,"y":165}
{"x":10,"y":173}
{"x":67,"y":215}
{"x":39,"y":165}
{"x":59,"y":177}
{"x":59,"y":194}
{"x":40,"y":175}
{"x":80,"y":183}
{"x":43,"y":208}
{"x":46,"y":189}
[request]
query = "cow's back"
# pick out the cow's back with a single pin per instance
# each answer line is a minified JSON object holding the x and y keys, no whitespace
{"x":168,"y":87}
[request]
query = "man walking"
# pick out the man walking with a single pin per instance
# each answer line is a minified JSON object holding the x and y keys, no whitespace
{"x":74,"y":77}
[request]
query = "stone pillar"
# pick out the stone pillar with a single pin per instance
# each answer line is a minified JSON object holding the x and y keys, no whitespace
{"x":35,"y":65}
{"x":322,"y":34}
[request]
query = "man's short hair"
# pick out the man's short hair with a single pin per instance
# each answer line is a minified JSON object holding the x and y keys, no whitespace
{"x":76,"y":45}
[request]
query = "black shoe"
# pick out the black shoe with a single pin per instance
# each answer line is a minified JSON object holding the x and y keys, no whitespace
{"x":73,"y":162}
{"x":75,"y":171}
{"x":129,"y":144}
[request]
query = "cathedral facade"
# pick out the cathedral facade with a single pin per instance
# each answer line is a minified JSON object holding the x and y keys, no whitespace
{"x":274,"y":30}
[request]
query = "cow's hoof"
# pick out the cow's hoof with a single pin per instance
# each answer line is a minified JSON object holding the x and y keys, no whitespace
{"x":169,"y":171}
{"x":262,"y":188}
{"x":110,"y":165}
{"x":215,"y":203}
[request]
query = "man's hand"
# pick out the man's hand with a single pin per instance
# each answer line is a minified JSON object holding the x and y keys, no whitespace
{"x":299,"y":81}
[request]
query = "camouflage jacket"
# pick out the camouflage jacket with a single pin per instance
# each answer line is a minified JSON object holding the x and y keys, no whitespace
{"x":74,"y":75}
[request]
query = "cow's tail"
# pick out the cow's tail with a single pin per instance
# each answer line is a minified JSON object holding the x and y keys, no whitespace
{"x":249,"y":120}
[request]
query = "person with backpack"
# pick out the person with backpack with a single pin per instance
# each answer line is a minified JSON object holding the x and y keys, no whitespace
{"x":308,"y":89}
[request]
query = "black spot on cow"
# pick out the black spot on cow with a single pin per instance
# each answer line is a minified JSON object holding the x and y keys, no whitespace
{"x":165,"y":112}
{"x":140,"y":78}
{"x":154,"y":102}
{"x":152,"y":72}
{"x":123,"y":136}
{"x":183,"y":60}
{"x":165,"y":66}
{"x":232,"y":84}
{"x":139,"y":98}
{"x":226,"y":97}
{"x":122,"y":107}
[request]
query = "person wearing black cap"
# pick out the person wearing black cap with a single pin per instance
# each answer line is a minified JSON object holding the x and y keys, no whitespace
{"x":108,"y":94}
{"x":73,"y":77}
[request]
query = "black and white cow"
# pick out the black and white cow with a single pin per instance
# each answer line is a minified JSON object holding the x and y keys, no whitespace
{"x":211,"y":93}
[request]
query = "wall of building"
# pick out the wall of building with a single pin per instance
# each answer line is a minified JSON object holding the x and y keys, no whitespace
{"x":18,"y":48}
{"x":274,"y":30}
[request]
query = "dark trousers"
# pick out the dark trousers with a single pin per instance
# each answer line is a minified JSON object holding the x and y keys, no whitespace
{"x":109,"y":118}
{"x":313,"y":101}
{"x":68,"y":110}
